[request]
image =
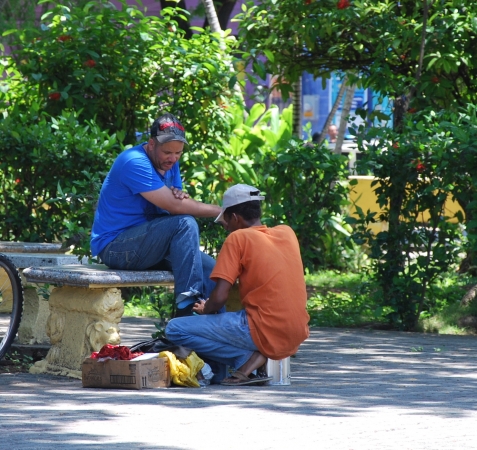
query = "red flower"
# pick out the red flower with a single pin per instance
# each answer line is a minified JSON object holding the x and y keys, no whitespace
{"x":412,"y":110}
{"x":307,"y":2}
{"x":396,"y":145}
{"x":419,"y":165}
{"x":90,"y":63}
{"x":55,"y":96}
{"x":435,"y":80}
{"x":18,"y":180}
{"x":342,"y":4}
{"x":64,"y":38}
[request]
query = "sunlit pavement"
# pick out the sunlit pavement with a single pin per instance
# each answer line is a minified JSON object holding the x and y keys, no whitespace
{"x":350,"y":389}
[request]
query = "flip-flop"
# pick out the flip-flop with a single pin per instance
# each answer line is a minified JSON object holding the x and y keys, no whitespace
{"x":240,"y":379}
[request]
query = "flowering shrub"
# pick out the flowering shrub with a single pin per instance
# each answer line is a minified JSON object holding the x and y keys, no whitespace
{"x":420,"y":55}
{"x":90,"y":63}
{"x":49,"y":155}
{"x":343,"y":4}
{"x":141,"y":64}
{"x":434,"y":162}
{"x":78,"y":89}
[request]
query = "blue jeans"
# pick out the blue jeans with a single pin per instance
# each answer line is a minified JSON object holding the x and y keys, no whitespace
{"x":223,"y":338}
{"x":164,"y":243}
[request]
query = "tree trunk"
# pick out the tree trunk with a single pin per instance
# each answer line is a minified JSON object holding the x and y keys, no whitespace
{"x":333,"y":110}
{"x":469,"y":296}
{"x":211,"y":15}
{"x":297,"y":105}
{"x":344,"y":117}
{"x":469,"y":263}
{"x":224,"y":11}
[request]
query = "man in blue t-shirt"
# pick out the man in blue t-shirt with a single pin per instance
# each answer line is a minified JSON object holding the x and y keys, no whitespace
{"x":145,"y":220}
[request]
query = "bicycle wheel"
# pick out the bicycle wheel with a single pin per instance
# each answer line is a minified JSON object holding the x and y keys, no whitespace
{"x":11,"y":303}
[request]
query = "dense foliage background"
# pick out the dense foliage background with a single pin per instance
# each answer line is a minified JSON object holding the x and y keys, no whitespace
{"x":87,"y":80}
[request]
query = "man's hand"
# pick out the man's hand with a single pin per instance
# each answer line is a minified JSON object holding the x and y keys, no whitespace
{"x":199,"y":307}
{"x":178,"y":193}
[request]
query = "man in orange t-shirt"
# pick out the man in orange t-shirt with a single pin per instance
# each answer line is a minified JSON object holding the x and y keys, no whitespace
{"x":268,"y":265}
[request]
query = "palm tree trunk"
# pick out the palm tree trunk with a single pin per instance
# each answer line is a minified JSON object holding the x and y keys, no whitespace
{"x":211,"y":15}
{"x":297,"y":105}
{"x":333,"y":110}
{"x":344,"y":117}
{"x":213,"y":20}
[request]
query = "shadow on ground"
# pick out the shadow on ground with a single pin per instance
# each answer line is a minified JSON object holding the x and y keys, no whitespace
{"x":336,"y":373}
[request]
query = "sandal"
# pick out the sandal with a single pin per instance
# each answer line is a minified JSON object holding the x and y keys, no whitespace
{"x":240,"y":379}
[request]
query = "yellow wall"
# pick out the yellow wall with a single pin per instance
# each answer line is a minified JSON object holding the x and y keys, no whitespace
{"x":363,"y":195}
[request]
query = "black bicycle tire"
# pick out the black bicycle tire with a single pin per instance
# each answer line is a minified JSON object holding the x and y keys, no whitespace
{"x":17,"y":306}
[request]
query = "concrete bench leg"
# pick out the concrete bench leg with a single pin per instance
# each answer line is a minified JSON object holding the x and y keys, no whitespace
{"x":32,"y":328}
{"x":36,"y":309}
{"x":81,"y":321}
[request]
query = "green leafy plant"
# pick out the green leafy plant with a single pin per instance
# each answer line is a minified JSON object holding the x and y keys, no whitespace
{"x":79,"y":88}
{"x":303,"y":183}
{"x":414,"y":179}
{"x":39,"y":153}
{"x":154,"y":302}
{"x":15,"y":362}
{"x":343,"y":300}
{"x":120,"y":67}
{"x":420,"y":55}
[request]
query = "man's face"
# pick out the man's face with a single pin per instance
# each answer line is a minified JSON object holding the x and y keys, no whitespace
{"x":333,"y":132}
{"x":229,"y":222}
{"x":164,"y":156}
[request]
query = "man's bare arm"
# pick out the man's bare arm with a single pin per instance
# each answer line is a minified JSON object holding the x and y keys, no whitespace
{"x":164,"y":198}
{"x":217,"y":299}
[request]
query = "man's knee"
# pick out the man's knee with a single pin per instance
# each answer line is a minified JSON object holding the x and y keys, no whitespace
{"x":189,"y":224}
{"x":172,"y":330}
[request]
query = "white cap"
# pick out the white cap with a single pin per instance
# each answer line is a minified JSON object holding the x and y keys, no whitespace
{"x":239,"y":193}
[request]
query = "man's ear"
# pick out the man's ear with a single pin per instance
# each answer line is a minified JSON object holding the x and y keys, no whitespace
{"x":241,"y":221}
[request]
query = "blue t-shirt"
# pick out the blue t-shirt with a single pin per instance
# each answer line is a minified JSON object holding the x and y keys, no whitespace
{"x":121,"y":206}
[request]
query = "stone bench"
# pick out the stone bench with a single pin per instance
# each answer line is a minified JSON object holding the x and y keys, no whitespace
{"x":30,"y":247}
{"x":85,"y":309}
{"x":35,"y":307}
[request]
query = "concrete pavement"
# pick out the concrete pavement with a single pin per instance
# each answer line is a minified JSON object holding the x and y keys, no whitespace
{"x":351,"y":389}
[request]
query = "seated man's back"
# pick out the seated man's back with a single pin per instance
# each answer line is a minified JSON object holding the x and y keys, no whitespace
{"x":272,"y":288}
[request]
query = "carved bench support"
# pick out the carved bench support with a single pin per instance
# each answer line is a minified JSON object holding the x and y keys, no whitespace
{"x":81,"y":321}
{"x":35,"y":313}
{"x":85,"y":310}
{"x":35,"y":307}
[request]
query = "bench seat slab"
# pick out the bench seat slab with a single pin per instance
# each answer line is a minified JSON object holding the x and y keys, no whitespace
{"x":96,"y":275}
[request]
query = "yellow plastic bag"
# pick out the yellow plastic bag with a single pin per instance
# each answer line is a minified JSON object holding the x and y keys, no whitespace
{"x":184,"y":371}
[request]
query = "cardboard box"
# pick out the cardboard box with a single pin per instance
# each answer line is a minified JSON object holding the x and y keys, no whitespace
{"x":149,"y":373}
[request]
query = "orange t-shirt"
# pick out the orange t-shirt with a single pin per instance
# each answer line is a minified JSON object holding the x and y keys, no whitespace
{"x":272,"y":288}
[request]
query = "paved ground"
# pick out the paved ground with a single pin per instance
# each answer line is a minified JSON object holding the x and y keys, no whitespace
{"x":350,"y":390}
